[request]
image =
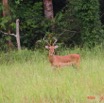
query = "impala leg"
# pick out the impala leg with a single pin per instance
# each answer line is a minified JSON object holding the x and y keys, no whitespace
{"x":56,"y":67}
{"x":77,"y":65}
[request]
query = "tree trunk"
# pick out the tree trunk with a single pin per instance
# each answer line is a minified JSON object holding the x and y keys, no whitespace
{"x":6,"y":10}
{"x":48,"y":9}
{"x":18,"y":35}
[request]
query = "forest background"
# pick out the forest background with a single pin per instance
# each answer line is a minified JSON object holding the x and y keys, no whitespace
{"x":75,"y":23}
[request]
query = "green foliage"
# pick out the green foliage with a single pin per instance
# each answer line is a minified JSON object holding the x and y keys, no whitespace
{"x":31,"y":17}
{"x":14,"y":56}
{"x":87,"y":13}
{"x":1,"y":7}
{"x":77,"y":23}
{"x":18,"y":1}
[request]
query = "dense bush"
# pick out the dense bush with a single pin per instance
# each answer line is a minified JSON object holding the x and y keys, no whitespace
{"x":88,"y":14}
{"x":83,"y":22}
{"x":31,"y":17}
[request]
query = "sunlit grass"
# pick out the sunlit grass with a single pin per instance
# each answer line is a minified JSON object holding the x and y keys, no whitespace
{"x":27,"y":77}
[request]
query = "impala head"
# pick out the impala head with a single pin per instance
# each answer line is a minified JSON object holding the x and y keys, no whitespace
{"x":52,"y":47}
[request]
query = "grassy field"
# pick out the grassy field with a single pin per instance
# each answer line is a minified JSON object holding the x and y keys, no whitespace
{"x":27,"y":77}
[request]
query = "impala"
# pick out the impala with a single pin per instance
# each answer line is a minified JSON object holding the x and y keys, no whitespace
{"x":59,"y":61}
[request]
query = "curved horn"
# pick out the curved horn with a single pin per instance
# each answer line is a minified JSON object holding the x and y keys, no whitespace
{"x":54,"y":41}
{"x":46,"y":41}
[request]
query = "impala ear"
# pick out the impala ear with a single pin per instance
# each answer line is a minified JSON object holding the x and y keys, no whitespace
{"x":56,"y":46}
{"x":47,"y":47}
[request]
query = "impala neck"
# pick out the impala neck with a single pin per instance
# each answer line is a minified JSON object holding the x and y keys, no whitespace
{"x":51,"y":57}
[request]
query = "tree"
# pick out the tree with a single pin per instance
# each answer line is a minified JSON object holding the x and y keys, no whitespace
{"x":48,"y":12}
{"x":48,"y":9}
{"x":6,"y":10}
{"x":6,"y":13}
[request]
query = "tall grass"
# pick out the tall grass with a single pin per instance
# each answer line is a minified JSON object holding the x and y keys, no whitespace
{"x":27,"y":77}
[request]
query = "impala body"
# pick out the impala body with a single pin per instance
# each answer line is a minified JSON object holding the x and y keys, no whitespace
{"x":59,"y":61}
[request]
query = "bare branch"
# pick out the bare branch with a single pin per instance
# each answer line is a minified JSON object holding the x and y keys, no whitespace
{"x":4,"y":32}
{"x":7,"y":33}
{"x":12,"y":35}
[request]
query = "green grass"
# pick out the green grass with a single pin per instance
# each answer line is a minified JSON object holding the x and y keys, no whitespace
{"x":27,"y":77}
